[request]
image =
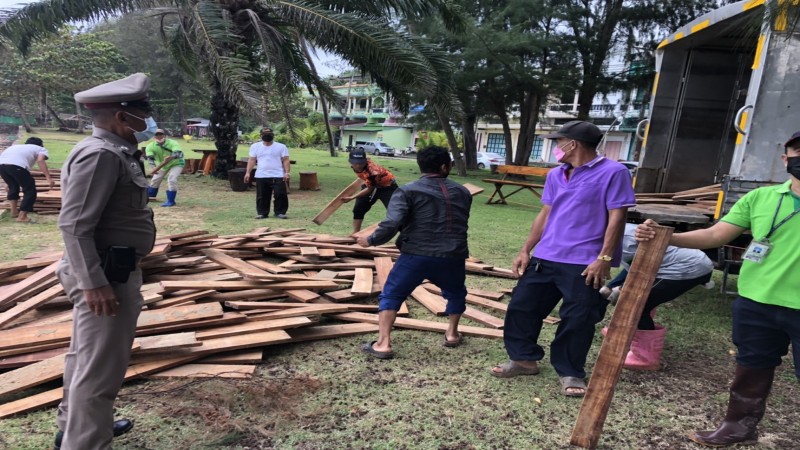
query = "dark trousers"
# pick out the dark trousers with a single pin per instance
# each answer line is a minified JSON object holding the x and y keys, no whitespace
{"x":364,"y":204}
{"x":538,"y":291}
{"x":409,"y":271}
{"x":762,"y":334}
{"x":663,"y":291}
{"x":265,"y":189}
{"x":17,"y":177}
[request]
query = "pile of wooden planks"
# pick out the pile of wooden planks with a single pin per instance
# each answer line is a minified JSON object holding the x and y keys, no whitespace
{"x":47,"y":201}
{"x":703,"y":199}
{"x":211,"y":303}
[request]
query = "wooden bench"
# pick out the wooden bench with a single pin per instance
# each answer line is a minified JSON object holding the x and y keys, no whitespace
{"x":507,"y":170}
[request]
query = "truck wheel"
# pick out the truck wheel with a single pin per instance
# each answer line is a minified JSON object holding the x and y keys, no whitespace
{"x":361,"y":148}
{"x":376,"y":152}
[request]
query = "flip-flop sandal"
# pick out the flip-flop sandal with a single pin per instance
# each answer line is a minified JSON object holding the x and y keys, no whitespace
{"x":572,"y":383}
{"x":367,"y":348}
{"x":453,"y":344}
{"x":511,"y":369}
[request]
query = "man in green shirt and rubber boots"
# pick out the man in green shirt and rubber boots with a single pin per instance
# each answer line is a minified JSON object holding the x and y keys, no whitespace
{"x":166,"y":158}
{"x":766,"y":315}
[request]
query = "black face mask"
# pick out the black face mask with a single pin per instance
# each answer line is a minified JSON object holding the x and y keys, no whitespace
{"x":267,"y":137}
{"x":793,"y":166}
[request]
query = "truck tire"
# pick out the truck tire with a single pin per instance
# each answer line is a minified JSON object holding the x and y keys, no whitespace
{"x":376,"y":152}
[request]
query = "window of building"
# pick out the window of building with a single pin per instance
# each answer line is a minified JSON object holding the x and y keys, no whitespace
{"x":536,"y":148}
{"x":496,"y":143}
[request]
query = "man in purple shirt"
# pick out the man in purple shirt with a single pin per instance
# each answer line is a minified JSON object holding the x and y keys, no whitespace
{"x":575,"y":239}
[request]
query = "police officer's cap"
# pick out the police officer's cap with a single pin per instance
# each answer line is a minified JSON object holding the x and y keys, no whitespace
{"x":131,"y":91}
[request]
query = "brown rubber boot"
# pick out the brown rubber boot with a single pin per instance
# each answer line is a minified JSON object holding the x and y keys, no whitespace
{"x":748,"y":402}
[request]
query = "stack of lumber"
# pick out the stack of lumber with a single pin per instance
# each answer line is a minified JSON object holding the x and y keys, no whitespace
{"x":703,"y":199}
{"x":47,"y":201}
{"x":212,"y":303}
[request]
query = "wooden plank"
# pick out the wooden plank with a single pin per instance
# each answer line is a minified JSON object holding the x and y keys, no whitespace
{"x":597,"y":401}
{"x":383,"y":266}
{"x":236,"y":285}
{"x":343,"y":295}
{"x":180,"y":299}
{"x":327,"y":253}
{"x":228,"y":318}
{"x":269,"y":267}
{"x":53,"y":396}
{"x":167,"y":342}
{"x":237,"y":265}
{"x":206,"y":371}
{"x":236,"y":357}
{"x":432,"y":302}
{"x":22,"y":360}
{"x":12,"y":292}
{"x":253,"y":327}
{"x":331,"y":331}
{"x":21,"y":308}
{"x":365,"y":232}
{"x":473,"y":189}
{"x":424,"y":325}
{"x":309,"y":251}
{"x":363,"y":281}
{"x":33,"y":375}
{"x":266,"y":306}
{"x":300,"y":312}
{"x":337,"y":202}
{"x":302,"y":295}
{"x":248,"y":294}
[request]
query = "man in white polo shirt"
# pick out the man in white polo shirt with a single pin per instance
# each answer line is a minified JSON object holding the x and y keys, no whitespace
{"x":15,"y":164}
{"x":272,"y":174}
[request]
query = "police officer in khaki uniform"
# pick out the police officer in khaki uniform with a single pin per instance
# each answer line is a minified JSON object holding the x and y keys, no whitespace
{"x":107,"y":228}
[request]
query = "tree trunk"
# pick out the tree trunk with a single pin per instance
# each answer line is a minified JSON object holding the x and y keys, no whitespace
{"x":224,"y":124}
{"x":61,"y":123}
{"x":80,"y":121}
{"x":322,"y":100}
{"x":42,"y":107}
{"x":529,"y":115}
{"x":23,"y":114}
{"x":507,"y":137}
{"x":470,"y":145}
{"x":181,"y":106}
{"x":461,"y":168}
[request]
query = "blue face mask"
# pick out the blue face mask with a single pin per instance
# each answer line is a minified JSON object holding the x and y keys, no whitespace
{"x":148,"y":133}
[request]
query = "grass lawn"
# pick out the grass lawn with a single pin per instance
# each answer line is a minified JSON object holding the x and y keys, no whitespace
{"x":327,"y":394}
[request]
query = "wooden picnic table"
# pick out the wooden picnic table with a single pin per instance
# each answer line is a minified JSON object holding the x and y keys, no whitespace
{"x":208,"y":159}
{"x":507,"y":170}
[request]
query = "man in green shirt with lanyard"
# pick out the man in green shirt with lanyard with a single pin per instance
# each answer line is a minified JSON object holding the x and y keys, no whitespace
{"x":766,"y":315}
{"x":166,"y":158}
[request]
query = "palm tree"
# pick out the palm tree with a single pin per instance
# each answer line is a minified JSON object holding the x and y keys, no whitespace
{"x":231,"y":42}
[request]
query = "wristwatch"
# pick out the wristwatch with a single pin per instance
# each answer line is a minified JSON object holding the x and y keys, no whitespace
{"x":605,"y":258}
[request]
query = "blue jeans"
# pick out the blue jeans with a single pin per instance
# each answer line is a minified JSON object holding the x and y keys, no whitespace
{"x":409,"y":271}
{"x":762,"y":334}
{"x":534,"y":297}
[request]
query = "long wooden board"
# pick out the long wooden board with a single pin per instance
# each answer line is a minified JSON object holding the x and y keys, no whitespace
{"x":331,"y":331}
{"x":206,"y":371}
{"x":424,"y":325}
{"x":337,"y":202}
{"x":12,"y":292}
{"x":363,"y":281}
{"x":606,"y":372}
{"x":32,"y":303}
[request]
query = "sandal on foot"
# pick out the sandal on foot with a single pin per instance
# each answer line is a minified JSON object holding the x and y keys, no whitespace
{"x":455,"y":343}
{"x":568,"y":383}
{"x":367,"y":348}
{"x":511,"y":369}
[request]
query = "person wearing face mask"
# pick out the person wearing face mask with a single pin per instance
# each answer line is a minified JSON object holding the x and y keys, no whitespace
{"x":107,"y":228}
{"x":271,"y":160}
{"x":572,"y":245}
{"x":379,"y":184}
{"x":766,"y":314}
{"x":432,"y":215}
{"x":166,"y":159}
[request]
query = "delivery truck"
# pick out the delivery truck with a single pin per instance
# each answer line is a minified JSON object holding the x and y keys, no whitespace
{"x":726,"y":96}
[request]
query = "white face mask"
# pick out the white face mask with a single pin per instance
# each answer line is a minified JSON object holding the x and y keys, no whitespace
{"x":148,"y":133}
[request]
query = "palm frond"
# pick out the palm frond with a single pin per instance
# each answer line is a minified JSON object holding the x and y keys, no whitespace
{"x":384,"y":53}
{"x":451,"y":12}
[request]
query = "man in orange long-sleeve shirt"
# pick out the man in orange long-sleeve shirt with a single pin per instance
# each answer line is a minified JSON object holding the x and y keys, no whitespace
{"x":379,"y":184}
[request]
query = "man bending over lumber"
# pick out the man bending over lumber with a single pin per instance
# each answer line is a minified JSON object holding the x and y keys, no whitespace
{"x":431,"y":214}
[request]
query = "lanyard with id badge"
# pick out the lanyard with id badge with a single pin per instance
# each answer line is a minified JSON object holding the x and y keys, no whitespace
{"x":759,"y":248}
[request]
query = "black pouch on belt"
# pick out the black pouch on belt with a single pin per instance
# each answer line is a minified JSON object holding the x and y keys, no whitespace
{"x":119,"y":263}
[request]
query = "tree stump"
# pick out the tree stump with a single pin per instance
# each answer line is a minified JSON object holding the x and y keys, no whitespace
{"x":308,"y":181}
{"x":236,"y":178}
